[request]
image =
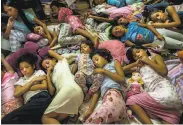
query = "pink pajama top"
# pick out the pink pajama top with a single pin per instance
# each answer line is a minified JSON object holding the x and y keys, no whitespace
{"x":7,"y":87}
{"x":66,"y":15}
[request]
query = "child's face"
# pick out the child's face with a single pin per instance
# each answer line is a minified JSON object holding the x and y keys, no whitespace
{"x":55,"y":9}
{"x":139,"y":53}
{"x":26,"y":69}
{"x":47,"y":63}
{"x":118,"y":31}
{"x":98,"y":61}
{"x":85,"y":49}
{"x":98,"y":2}
{"x":159,"y":17}
{"x":39,"y":30}
{"x":11,"y":11}
{"x":136,"y":76}
{"x":122,"y":21}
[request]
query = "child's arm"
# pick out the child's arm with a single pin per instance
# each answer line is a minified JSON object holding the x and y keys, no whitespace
{"x":9,"y":27}
{"x":118,"y":76}
{"x":158,"y":35}
{"x":20,"y":90}
{"x":7,"y":65}
{"x":156,"y":1}
{"x":101,"y":19}
{"x":41,"y":86}
{"x":147,"y":2}
{"x":39,"y":22}
{"x":52,"y":43}
{"x":129,"y":43}
{"x":159,"y":65}
{"x":97,"y":82}
{"x":51,"y":87}
{"x":93,"y":103}
{"x":176,"y":20}
{"x":55,"y":55}
{"x":74,"y":68}
{"x":130,"y":66}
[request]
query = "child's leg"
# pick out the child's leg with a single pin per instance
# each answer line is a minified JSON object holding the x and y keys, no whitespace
{"x":97,"y":80}
{"x":80,"y":79}
{"x":88,"y":35}
{"x":141,"y":114}
{"x":15,"y":38}
{"x":173,"y":43}
{"x":171,"y":34}
{"x":53,"y":118}
{"x":113,"y":109}
{"x":31,"y":112}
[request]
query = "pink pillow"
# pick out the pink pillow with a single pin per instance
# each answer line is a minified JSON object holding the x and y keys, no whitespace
{"x":33,"y":37}
{"x":30,"y":47}
{"x":117,"y":49}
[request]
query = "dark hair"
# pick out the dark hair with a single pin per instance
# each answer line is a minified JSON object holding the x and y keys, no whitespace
{"x":57,"y":4}
{"x":89,"y":43}
{"x":151,"y":13}
{"x":27,"y":57}
{"x":16,"y":4}
{"x":129,"y":52}
{"x":43,"y":58}
{"x":110,"y":31}
{"x":102,"y":52}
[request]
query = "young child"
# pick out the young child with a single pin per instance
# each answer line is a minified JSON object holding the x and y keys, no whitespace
{"x":68,"y":95}
{"x":8,"y":78}
{"x":167,"y":19}
{"x":33,"y":87}
{"x":117,"y":3}
{"x":146,"y":35}
{"x":65,"y":15}
{"x":20,"y":24}
{"x":84,"y":76}
{"x":131,"y":12}
{"x":47,"y":36}
{"x":160,"y":98}
{"x":113,"y":107}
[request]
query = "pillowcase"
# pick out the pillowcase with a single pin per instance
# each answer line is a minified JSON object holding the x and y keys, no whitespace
{"x":117,"y":49}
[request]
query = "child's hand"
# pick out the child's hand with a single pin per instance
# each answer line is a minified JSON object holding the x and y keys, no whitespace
{"x":138,"y":63}
{"x":98,"y":70}
{"x":87,"y":114}
{"x":34,"y":81}
{"x":50,"y":69}
{"x":10,"y":22}
{"x":160,"y":37}
{"x":145,"y":59}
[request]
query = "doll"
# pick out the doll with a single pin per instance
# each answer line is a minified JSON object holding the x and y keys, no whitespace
{"x":135,"y":84}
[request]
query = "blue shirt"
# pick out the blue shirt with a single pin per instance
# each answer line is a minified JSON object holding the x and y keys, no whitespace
{"x":138,"y":34}
{"x":117,"y":3}
{"x":21,"y":26}
{"x":108,"y":83}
